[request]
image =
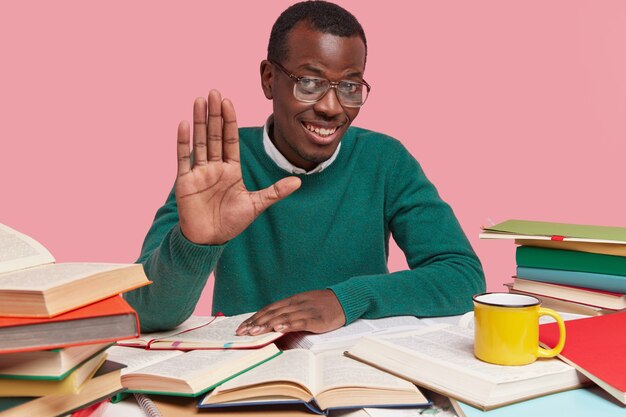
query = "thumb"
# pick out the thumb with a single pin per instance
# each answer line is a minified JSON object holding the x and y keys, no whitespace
{"x":277,"y":191}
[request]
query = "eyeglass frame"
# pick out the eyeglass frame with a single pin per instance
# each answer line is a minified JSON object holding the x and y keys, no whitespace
{"x":332,"y":84}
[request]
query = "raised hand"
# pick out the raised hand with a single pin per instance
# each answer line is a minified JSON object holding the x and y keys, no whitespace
{"x":214,"y":205}
{"x":316,"y":311}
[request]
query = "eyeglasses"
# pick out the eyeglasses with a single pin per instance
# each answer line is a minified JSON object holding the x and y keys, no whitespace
{"x":313,"y":89}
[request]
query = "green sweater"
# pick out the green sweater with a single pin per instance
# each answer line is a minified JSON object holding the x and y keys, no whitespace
{"x":332,"y":233}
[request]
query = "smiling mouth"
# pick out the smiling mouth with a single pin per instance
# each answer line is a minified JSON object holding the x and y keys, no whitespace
{"x":320,"y":131}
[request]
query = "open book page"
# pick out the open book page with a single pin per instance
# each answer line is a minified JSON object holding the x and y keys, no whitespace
{"x":18,"y":251}
{"x":453,"y":347}
{"x":335,"y":370}
{"x":44,"y":277}
{"x":190,"y":365}
{"x":223,"y":330}
{"x":190,"y":323}
{"x":204,"y":332}
{"x":296,"y":366}
{"x":345,"y":337}
{"x":138,"y":358}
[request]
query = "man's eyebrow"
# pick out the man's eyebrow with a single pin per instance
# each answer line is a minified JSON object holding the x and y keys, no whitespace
{"x":311,"y":68}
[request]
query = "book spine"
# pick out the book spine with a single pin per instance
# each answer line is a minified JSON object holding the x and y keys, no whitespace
{"x":533,"y":257}
{"x":605,"y":282}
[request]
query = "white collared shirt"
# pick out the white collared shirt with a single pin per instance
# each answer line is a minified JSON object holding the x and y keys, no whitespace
{"x":283,"y":163}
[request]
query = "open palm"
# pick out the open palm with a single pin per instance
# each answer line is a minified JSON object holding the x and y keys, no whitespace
{"x":214,"y":205}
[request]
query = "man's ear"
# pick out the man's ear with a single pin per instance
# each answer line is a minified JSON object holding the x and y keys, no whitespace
{"x":267,"y":78}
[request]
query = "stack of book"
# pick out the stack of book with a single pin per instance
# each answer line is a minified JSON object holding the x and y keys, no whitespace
{"x":571,"y":268}
{"x":56,"y":322}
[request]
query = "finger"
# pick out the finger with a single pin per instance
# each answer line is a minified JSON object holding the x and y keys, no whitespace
{"x":214,"y":128}
{"x":182,"y":149}
{"x":199,"y":132}
{"x":276,"y":192}
{"x":291,"y":319}
{"x":261,"y":316}
{"x":278,"y":316}
{"x":245,"y":326}
{"x":230,"y":139}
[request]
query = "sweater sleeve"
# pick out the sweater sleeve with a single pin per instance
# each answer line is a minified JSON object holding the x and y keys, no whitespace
{"x":178,"y":269}
{"x":444,"y":270}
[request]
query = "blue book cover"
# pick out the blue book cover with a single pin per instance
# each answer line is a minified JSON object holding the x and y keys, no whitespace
{"x":613,"y":283}
{"x":583,"y":402}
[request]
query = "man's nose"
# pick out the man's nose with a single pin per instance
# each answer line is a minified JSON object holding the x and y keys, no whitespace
{"x":329,"y":105}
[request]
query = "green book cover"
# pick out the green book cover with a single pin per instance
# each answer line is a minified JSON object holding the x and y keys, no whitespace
{"x":532,"y":257}
{"x":579,"y":231}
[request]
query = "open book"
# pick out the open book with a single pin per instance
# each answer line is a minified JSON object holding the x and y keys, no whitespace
{"x":441,"y":358}
{"x":190,"y":374}
{"x":320,"y":381}
{"x":203,"y":332}
{"x":32,"y":285}
{"x":345,"y":337}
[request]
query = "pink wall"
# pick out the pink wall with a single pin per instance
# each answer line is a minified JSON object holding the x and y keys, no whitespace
{"x":515,"y":109}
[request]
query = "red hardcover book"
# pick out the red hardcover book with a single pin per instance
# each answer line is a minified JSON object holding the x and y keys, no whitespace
{"x":108,"y":320}
{"x":596,"y":346}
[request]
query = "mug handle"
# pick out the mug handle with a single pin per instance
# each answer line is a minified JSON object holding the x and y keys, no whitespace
{"x":550,"y":353}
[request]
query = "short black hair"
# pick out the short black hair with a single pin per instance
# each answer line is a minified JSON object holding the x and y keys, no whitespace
{"x":323,"y":16}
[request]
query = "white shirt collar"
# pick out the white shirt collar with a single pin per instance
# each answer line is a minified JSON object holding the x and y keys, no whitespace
{"x":283,"y":163}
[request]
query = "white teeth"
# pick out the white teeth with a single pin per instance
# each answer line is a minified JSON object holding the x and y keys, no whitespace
{"x":320,"y":130}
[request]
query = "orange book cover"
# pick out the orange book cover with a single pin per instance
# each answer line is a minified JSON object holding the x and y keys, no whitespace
{"x":113,"y":306}
{"x":596,"y":347}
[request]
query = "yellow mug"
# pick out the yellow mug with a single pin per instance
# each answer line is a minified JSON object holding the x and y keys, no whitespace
{"x":506,"y":329}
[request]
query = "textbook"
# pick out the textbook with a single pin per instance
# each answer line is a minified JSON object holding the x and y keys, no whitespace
{"x":556,"y":232}
{"x":51,"y":364}
{"x":104,"y":384}
{"x":441,"y":358}
{"x":595,"y":346}
{"x":563,"y":306}
{"x":104,"y":321}
{"x":604,"y":248}
{"x":582,"y":402}
{"x":604,"y":282}
{"x":204,"y":332}
{"x":345,"y":337}
{"x":530,"y":257}
{"x":32,"y":285}
{"x":190,"y":374}
{"x":12,"y":387}
{"x":323,"y":381}
{"x":597,"y":298}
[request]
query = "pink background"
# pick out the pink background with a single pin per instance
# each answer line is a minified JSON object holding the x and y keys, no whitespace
{"x":514,"y":109}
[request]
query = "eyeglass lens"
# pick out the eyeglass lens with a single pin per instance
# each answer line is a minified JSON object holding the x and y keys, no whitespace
{"x":351,"y":94}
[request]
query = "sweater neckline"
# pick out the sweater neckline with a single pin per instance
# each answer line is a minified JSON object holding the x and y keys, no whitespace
{"x":268,"y":162}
